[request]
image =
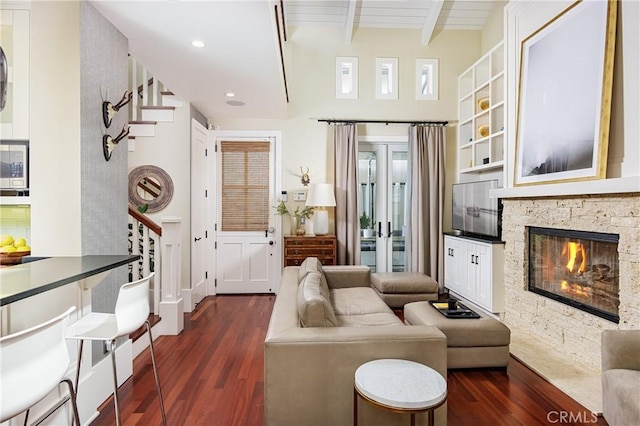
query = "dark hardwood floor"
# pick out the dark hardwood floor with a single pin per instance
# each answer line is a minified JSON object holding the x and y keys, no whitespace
{"x":212,"y":374}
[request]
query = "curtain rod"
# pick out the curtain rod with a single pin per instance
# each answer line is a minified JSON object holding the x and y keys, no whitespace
{"x":387,"y":122}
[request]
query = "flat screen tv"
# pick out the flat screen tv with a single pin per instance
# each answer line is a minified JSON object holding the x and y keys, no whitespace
{"x":474,"y":212}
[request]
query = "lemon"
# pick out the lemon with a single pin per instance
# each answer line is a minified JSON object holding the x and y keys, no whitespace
{"x":5,"y":249}
{"x":20,"y":242}
{"x":11,"y":249}
{"x":23,"y":248}
{"x":5,"y":240}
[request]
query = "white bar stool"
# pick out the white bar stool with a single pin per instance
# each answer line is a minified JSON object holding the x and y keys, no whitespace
{"x":33,"y":363}
{"x":131,"y":312}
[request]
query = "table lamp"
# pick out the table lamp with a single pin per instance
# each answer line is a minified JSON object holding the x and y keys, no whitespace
{"x":321,"y":196}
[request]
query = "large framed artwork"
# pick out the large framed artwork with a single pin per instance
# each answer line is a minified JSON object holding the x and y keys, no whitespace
{"x":564,"y":97}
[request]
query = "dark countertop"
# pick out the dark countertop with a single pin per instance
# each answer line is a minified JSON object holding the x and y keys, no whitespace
{"x":474,"y":237}
{"x":28,"y":279}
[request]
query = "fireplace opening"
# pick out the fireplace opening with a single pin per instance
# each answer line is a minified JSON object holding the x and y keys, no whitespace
{"x":577,"y":268}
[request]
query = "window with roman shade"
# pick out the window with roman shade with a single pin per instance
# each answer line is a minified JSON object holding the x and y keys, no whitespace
{"x":245,"y":185}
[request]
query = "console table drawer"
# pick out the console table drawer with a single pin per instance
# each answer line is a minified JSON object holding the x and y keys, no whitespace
{"x":296,"y":249}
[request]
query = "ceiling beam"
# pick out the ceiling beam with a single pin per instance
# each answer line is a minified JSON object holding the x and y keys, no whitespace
{"x":350,"y":23}
{"x":430,"y":20}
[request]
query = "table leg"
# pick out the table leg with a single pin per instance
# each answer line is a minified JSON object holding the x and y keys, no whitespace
{"x":430,"y":414}
{"x":413,"y":419}
{"x":355,"y":407}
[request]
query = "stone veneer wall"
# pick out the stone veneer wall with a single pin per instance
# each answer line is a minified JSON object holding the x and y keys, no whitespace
{"x":573,"y":332}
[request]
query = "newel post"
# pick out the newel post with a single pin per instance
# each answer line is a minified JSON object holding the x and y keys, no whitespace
{"x":171,"y":303}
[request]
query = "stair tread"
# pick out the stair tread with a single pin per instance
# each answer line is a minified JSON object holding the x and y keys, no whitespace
{"x":167,"y":93}
{"x":142,"y":122}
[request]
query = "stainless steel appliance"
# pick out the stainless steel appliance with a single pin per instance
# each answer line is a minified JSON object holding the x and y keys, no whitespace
{"x":14,"y":165}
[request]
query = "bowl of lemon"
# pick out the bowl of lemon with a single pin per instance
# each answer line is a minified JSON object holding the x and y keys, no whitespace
{"x":13,"y":249}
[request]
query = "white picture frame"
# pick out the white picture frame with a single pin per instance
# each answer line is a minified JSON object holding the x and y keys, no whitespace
{"x":346,"y":77}
{"x":427,"y":79}
{"x":387,"y":78}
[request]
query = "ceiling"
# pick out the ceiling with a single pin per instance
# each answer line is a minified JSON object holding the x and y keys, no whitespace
{"x":241,"y":52}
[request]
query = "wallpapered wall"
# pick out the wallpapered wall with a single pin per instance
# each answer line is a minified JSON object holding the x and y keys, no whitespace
{"x":103,"y":75}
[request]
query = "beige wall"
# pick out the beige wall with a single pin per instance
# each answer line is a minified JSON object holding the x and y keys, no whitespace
{"x":55,"y":129}
{"x":493,"y":32}
{"x":310,"y":62}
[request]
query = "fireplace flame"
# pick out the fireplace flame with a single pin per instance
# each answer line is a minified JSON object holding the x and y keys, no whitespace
{"x":575,"y":289}
{"x":576,"y":254}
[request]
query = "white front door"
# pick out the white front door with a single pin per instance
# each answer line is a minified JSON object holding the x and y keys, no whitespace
{"x":199,"y":246}
{"x":247,"y":233}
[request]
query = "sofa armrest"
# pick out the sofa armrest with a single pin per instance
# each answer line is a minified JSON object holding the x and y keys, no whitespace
{"x":620,"y":349}
{"x":347,"y":276}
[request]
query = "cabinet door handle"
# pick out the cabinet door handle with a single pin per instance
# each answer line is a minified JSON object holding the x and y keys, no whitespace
{"x":389,"y":233}
{"x":379,"y":229}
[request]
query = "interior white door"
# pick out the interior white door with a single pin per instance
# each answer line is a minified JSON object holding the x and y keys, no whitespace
{"x":199,"y":246}
{"x":247,"y":255}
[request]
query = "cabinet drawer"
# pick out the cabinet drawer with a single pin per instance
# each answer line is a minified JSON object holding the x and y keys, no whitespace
{"x":309,"y":242}
{"x":297,"y":261}
{"x":308,"y":251}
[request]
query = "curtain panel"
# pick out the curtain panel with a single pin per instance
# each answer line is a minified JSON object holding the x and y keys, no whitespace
{"x":424,"y":239}
{"x":345,"y":139}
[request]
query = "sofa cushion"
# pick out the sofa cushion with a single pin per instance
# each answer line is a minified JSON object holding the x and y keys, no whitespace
{"x":312,"y":264}
{"x":314,"y":310}
{"x":367,"y":320}
{"x":357,"y":301}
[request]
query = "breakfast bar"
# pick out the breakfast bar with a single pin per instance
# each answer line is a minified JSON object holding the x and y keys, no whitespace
{"x":29,"y":279}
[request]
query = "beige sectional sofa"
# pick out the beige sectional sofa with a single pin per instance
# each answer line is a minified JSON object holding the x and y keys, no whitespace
{"x":326,"y":322}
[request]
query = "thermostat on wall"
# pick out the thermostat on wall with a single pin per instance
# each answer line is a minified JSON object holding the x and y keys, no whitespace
{"x":299,"y":196}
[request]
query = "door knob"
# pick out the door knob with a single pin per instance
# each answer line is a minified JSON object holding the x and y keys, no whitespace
{"x":271,"y":243}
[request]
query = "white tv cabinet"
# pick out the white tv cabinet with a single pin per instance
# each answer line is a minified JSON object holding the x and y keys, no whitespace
{"x":473,"y":269}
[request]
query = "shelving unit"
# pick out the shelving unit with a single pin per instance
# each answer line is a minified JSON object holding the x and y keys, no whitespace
{"x":481,"y":113}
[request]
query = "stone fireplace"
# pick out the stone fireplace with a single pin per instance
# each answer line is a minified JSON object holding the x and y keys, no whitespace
{"x":573,"y":332}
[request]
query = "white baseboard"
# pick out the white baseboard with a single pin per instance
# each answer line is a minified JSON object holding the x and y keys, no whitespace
{"x":186,"y":294}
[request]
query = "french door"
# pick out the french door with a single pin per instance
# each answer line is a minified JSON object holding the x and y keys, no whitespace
{"x":382,"y":176}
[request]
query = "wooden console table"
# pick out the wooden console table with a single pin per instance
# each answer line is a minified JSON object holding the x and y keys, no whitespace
{"x":297,"y":249}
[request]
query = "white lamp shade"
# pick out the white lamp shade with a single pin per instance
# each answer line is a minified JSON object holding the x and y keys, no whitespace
{"x":321,"y":195}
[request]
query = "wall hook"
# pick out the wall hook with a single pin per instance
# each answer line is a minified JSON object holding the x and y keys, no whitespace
{"x":109,"y":110}
{"x":109,"y":143}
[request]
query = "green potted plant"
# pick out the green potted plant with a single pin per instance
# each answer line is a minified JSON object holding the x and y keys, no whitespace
{"x":296,"y":225}
{"x":365,"y":226}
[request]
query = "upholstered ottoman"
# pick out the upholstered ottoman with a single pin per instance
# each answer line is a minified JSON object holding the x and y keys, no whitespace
{"x":400,"y":288}
{"x":471,"y":343}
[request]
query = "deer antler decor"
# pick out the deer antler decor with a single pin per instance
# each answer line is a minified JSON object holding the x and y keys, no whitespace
{"x":305,"y":179}
{"x":109,"y":110}
{"x":109,"y":143}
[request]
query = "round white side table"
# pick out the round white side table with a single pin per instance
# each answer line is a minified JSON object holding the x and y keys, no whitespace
{"x":401,"y":386}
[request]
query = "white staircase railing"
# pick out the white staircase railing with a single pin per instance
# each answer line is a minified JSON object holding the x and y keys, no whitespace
{"x":144,"y":240}
{"x":162,"y":255}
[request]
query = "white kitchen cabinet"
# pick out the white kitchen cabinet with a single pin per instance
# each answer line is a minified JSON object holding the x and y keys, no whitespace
{"x":473,"y":269}
{"x":14,"y":39}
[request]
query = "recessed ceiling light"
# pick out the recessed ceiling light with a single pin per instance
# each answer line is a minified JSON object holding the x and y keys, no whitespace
{"x":229,"y":94}
{"x":197,"y":43}
{"x":235,"y":103}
